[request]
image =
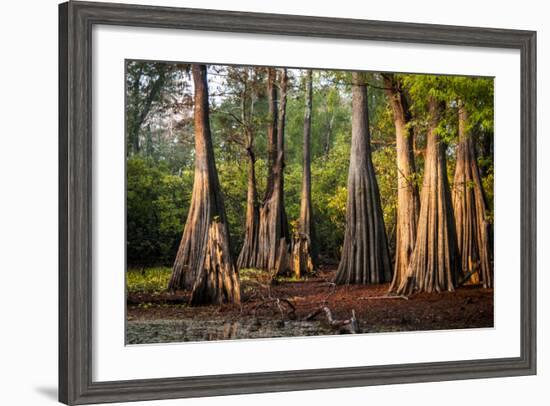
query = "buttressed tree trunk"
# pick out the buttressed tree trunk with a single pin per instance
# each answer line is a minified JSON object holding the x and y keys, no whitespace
{"x":434,"y":263}
{"x":274,"y":237}
{"x":365,"y":257}
{"x":470,"y":207}
{"x":407,"y":192}
{"x":304,"y":254}
{"x":204,"y":263}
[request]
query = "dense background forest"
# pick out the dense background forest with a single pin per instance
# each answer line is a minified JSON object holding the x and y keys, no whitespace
{"x":160,"y":148}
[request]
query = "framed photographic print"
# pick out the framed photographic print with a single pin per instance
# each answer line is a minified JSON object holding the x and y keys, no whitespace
{"x":260,"y":202}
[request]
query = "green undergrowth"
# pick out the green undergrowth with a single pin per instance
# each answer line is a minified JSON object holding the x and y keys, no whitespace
{"x":148,"y":280}
{"x":264,"y":277}
{"x":155,"y":280}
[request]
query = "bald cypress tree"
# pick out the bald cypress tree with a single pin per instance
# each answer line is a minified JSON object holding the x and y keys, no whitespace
{"x":470,"y":208}
{"x":365,"y":257}
{"x":304,"y":252}
{"x":434,"y":264}
{"x":407,"y":192}
{"x":274,"y":235}
{"x":248,"y":257}
{"x":204,"y":263}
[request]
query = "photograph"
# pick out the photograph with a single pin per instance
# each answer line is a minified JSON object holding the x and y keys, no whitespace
{"x":267,"y":201}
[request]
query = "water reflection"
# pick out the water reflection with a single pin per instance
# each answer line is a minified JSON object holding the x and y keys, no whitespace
{"x":163,"y":331}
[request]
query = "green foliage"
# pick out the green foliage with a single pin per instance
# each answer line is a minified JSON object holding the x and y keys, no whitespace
{"x":157,"y":203}
{"x":293,"y":188}
{"x":251,"y":279}
{"x":233,"y":183}
{"x":251,"y":274}
{"x":386,"y":174}
{"x":331,"y":115}
{"x":147,"y":280}
{"x":329,"y":195}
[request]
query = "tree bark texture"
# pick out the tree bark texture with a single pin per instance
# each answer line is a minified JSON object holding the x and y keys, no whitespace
{"x":470,"y":207}
{"x":365,"y":257}
{"x":303,"y":250}
{"x":408,"y":203}
{"x":248,"y":258}
{"x":203,"y":262}
{"x":434,"y":264}
{"x":274,"y":236}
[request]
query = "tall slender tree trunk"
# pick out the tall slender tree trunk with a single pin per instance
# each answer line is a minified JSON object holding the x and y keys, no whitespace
{"x":365,"y":257}
{"x":204,"y":263}
{"x":434,"y":264}
{"x":304,"y":253}
{"x":271,"y":130}
{"x":248,"y":258}
{"x":470,"y":206}
{"x":407,"y":193}
{"x":274,"y":237}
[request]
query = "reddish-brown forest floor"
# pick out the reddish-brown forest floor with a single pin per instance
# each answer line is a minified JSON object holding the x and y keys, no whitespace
{"x":166,"y":316}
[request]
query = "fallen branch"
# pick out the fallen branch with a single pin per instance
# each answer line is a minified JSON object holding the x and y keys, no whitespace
{"x":277,"y":301}
{"x":384,"y":297}
{"x":313,"y":314}
{"x":343,"y":326}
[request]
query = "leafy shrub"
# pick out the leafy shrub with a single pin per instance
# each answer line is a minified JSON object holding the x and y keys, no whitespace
{"x":157,"y":203}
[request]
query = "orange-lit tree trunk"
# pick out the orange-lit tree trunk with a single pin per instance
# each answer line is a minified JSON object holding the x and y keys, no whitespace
{"x":434,"y":264}
{"x":365,"y":257}
{"x":304,"y":253}
{"x":470,"y":207}
{"x":274,"y":236}
{"x":407,"y":192}
{"x":204,"y":263}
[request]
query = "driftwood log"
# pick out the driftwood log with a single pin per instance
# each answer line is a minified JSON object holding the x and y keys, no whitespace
{"x":350,"y":326}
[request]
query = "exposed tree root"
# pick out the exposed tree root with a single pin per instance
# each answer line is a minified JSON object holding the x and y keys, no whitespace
{"x":217,"y":280}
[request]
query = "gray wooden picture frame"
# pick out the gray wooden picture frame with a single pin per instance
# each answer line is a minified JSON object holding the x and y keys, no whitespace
{"x":76,"y":20}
